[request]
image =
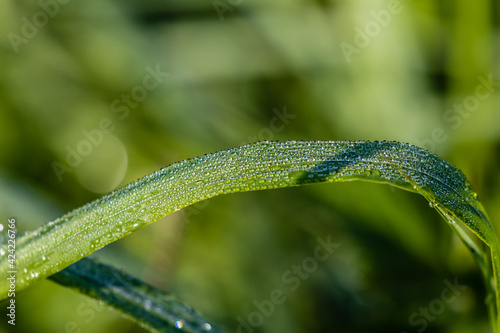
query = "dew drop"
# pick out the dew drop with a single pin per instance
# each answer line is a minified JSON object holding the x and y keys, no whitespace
{"x":2,"y":252}
{"x":179,"y":324}
{"x":44,"y":258}
{"x":371,"y":173}
{"x":207,"y":327}
{"x":295,"y":175}
{"x":432,"y":204}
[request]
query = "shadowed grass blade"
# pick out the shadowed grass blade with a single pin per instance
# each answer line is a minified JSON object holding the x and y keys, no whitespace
{"x":150,"y":307}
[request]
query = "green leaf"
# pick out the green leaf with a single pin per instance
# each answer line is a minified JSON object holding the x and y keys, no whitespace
{"x":259,"y":166}
{"x":150,"y":307}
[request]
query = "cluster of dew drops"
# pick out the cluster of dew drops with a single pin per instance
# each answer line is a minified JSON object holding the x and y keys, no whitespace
{"x":179,"y":324}
{"x":3,"y":246}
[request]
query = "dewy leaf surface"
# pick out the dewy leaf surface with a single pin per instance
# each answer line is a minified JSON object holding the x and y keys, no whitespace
{"x":258,"y":166}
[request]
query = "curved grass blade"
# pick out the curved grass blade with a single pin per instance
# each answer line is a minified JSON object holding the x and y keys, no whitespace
{"x":150,"y":307}
{"x":258,"y":166}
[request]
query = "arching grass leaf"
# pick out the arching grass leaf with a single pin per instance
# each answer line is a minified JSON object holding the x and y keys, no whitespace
{"x":259,"y":166}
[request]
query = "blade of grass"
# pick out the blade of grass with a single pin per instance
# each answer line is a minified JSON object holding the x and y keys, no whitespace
{"x":258,"y":166}
{"x":152,"y":308}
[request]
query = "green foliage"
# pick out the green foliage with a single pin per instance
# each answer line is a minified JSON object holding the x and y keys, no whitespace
{"x":259,"y":166}
{"x":428,"y":77}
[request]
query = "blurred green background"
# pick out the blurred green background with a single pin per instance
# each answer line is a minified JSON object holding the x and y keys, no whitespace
{"x":81,"y":114}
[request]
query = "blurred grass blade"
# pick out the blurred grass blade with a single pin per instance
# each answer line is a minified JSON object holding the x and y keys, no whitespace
{"x":258,"y":166}
{"x":150,"y":307}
